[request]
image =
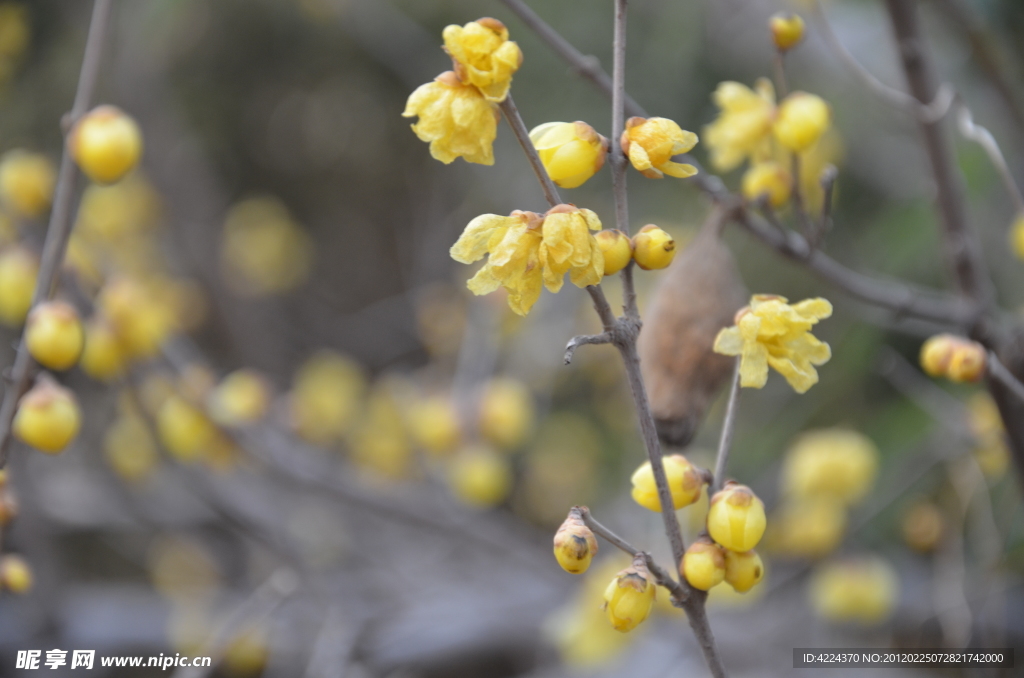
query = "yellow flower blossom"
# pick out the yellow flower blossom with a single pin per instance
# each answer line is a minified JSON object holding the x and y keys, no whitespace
{"x":743,"y":128}
{"x":483,"y":56}
{"x":770,"y":332}
{"x":571,"y":152}
{"x":650,"y":144}
{"x":802,"y":119}
{"x":455,"y":119}
{"x":527,"y":250}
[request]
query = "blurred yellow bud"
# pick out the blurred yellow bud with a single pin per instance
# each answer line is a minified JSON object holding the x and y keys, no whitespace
{"x":506,"y":413}
{"x":736,"y":518}
{"x":54,"y":335}
{"x":836,"y":462}
{"x":483,"y":56}
{"x":48,"y":417}
{"x":142,"y":325}
{"x":684,"y":481}
{"x":26,"y":182}
{"x":102,"y":358}
{"x":744,"y":125}
{"x":455,"y":119}
{"x":787,"y":30}
{"x":616,"y":248}
{"x":185,"y":432}
{"x":15,"y":574}
{"x":630,"y":596}
{"x":703,"y":564}
{"x":863,"y":590}
{"x":650,"y":144}
{"x":575,"y":543}
{"x":653,"y":248}
{"x":106,"y":143}
{"x":480,"y":477}
{"x":109,"y":213}
{"x":434,"y":424}
{"x":381,"y":442}
{"x":956,"y":358}
{"x":325,"y":397}
{"x":130,"y":449}
{"x":182,"y":568}
{"x":264,"y":250}
{"x":15,"y":30}
{"x":802,"y":119}
{"x":923,"y":526}
{"x":246,"y":654}
{"x":767,"y":179}
{"x":1017,"y":236}
{"x":811,"y":527}
{"x":743,"y":570}
{"x":242,"y":397}
{"x":571,"y":152}
{"x":18,"y":270}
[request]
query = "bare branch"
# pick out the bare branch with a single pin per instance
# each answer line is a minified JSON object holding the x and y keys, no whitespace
{"x":980,"y":135}
{"x":515,"y":121}
{"x":576,"y":342}
{"x":728,"y":427}
{"x":997,"y":370}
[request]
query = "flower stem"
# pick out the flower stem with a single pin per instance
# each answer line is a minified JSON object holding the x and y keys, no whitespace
{"x":728,"y":426}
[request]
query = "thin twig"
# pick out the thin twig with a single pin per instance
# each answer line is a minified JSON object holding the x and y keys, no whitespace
{"x":828,"y":185}
{"x":576,"y":342}
{"x":997,"y":370}
{"x":515,"y":121}
{"x":779,"y":64}
{"x":728,"y":428}
{"x":619,"y":162}
{"x":980,"y":135}
{"x":59,"y":229}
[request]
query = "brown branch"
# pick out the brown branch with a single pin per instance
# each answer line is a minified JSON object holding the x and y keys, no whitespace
{"x":515,"y":121}
{"x":59,"y":229}
{"x":576,"y":342}
{"x":728,"y":427}
{"x":997,"y":370}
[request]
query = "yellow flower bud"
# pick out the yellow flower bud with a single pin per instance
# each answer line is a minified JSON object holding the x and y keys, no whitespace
{"x":936,"y":353}
{"x":48,"y":417}
{"x":836,"y":462}
{"x":653,"y":248}
{"x":483,"y":56}
{"x":480,"y":477}
{"x":736,"y":518}
{"x":434,"y":424}
{"x":571,"y":152}
{"x":15,"y":574}
{"x":15,"y":29}
{"x":703,"y":564}
{"x":1017,"y":236}
{"x":455,"y":119}
{"x":54,"y":335}
{"x":923,"y":526}
{"x":129,"y":448}
{"x":141,"y":324}
{"x":265,"y":251}
{"x":787,"y":30}
{"x":684,"y":481}
{"x":953,"y":357}
{"x":743,"y":570}
{"x":325,"y":398}
{"x":809,"y":527}
{"x":243,"y":397}
{"x":650,"y":144}
{"x":26,"y":182}
{"x":106,"y":143}
{"x":767,"y":179}
{"x":616,"y":248}
{"x":102,"y":358}
{"x":863,"y":590}
{"x":629,"y":597}
{"x":575,"y":543}
{"x":506,"y":413}
{"x":247,"y":652}
{"x":18,"y":270}
{"x":184,"y":431}
{"x":802,"y":119}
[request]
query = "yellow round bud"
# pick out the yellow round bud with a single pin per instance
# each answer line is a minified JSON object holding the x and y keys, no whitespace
{"x":480,"y":477}
{"x":243,"y":397}
{"x":684,"y":481}
{"x":184,"y":431}
{"x":48,"y":417}
{"x":629,"y":597}
{"x":968,"y":362}
{"x":616,"y":248}
{"x":923,"y":526}
{"x":129,"y":448}
{"x":571,"y":152}
{"x":835,"y":462}
{"x":106,"y":143}
{"x":15,"y":574}
{"x":736,"y":518}
{"x":810,"y":527}
{"x":54,"y":335}
{"x":26,"y":182}
{"x":575,"y":543}
{"x":802,"y":119}
{"x":434,"y":424}
{"x":767,"y":179}
{"x":18,"y":270}
{"x":506,"y":413}
{"x":103,"y":357}
{"x":787,"y":30}
{"x":703,"y":564}
{"x":15,"y":30}
{"x":246,"y":654}
{"x":936,"y":353}
{"x":1017,"y":236}
{"x":325,"y":398}
{"x":863,"y":590}
{"x":653,"y":248}
{"x":743,"y":570}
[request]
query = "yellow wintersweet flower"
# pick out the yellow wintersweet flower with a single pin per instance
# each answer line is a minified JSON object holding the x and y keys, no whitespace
{"x":571,"y":152}
{"x":483,"y":56}
{"x":744,"y":126}
{"x":770,"y":332}
{"x":802,"y":119}
{"x":630,"y":596}
{"x":767,"y":179}
{"x":528,"y":250}
{"x":650,"y":144}
{"x":455,"y":119}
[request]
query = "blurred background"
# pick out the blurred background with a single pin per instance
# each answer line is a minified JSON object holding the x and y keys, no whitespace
{"x":391,"y":511}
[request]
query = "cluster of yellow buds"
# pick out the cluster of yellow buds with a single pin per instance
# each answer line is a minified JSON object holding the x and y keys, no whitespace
{"x":571,"y":152}
{"x":575,"y":543}
{"x":651,"y":248}
{"x":955,"y":358}
{"x":457,"y":112}
{"x":735,"y":523}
